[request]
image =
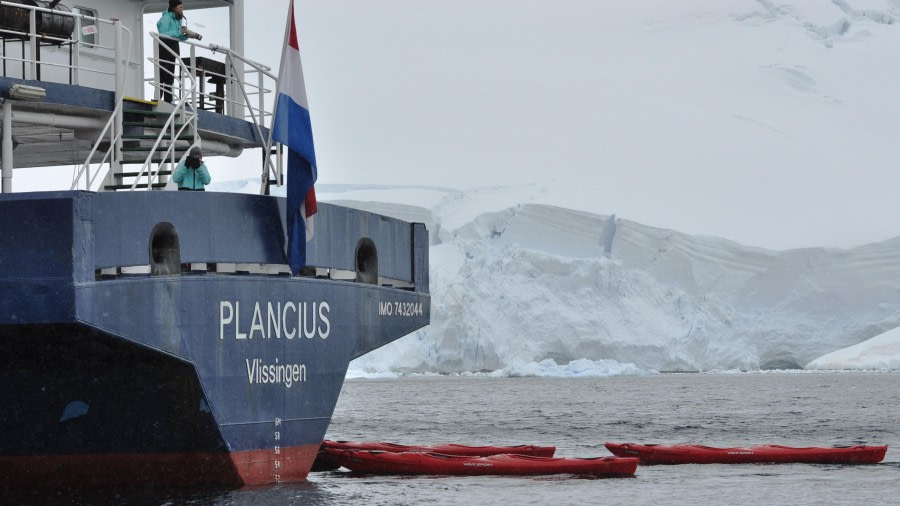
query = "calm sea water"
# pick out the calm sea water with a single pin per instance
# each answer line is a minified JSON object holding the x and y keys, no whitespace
{"x":579,"y":415}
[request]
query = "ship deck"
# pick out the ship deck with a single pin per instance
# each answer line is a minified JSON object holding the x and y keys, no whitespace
{"x":61,"y":128}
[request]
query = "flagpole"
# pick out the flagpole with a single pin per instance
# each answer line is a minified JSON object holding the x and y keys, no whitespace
{"x":264,"y":187}
{"x":292,"y":128}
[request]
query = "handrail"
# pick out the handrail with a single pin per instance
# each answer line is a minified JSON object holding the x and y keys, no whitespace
{"x":86,"y":167}
{"x":113,"y":124}
{"x":75,"y":40}
{"x":230,"y":56}
{"x":256,"y":123}
{"x":170,"y":120}
{"x":61,"y":65}
{"x":170,"y":150}
{"x":263,"y":71}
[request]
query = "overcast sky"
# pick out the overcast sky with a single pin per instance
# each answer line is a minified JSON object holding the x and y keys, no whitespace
{"x":774,"y":126}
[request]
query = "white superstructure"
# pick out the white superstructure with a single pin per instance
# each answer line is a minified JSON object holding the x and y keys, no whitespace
{"x":79,"y":87}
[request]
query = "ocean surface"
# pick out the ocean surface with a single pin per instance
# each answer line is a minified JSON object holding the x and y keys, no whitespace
{"x":577,"y":415}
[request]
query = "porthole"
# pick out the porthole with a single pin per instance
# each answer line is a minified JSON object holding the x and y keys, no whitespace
{"x":366,"y":262}
{"x":165,"y":254}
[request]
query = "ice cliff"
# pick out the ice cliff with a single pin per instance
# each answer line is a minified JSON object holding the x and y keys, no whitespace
{"x":515,"y":282}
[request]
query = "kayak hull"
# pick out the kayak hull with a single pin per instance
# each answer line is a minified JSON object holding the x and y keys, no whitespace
{"x":327,"y":462}
{"x":652,"y":454}
{"x":425,"y":463}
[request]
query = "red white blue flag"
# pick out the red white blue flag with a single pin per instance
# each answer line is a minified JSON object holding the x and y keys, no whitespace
{"x":291,"y":127}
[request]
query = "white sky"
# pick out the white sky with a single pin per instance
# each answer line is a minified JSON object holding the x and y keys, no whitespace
{"x":771,"y":126}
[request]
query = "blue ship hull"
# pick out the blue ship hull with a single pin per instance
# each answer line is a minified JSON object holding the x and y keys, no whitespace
{"x":155,"y":338}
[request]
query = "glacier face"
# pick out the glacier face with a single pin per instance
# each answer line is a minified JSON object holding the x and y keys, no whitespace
{"x":530,"y":282}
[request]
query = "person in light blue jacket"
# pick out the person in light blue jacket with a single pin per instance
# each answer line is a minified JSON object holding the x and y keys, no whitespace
{"x":191,"y":174}
{"x":173,"y":30}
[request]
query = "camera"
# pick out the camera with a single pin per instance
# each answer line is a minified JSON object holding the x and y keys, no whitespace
{"x":192,"y":162}
{"x":192,"y":34}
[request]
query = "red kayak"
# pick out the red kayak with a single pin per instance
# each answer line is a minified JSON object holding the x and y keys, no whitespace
{"x":762,"y":454}
{"x":381,"y":462}
{"x":326,"y":462}
{"x":446,"y":449}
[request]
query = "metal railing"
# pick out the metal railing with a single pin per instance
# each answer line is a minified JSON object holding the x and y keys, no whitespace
{"x":115,"y":135}
{"x":255,"y":85}
{"x":168,"y":132}
{"x":249,"y":86}
{"x":252,"y":104}
{"x":31,"y":65}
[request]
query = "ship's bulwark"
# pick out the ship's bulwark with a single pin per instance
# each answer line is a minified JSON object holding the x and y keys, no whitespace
{"x":185,"y":379}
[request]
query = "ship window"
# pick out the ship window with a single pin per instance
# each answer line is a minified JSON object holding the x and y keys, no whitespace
{"x":74,"y":409}
{"x":366,"y":262}
{"x":89,"y":32}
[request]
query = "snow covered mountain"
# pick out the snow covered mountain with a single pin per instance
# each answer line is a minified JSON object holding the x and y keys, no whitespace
{"x":517,"y":282}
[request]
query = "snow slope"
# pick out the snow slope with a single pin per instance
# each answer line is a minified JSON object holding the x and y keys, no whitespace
{"x":880,"y":352}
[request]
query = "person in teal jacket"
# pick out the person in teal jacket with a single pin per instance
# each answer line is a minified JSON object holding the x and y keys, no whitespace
{"x":191,"y":174}
{"x":173,"y":30}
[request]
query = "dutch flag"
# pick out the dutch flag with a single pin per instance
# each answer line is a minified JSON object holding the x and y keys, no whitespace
{"x":292,"y":127}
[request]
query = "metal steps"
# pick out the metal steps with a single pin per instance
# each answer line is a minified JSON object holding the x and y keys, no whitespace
{"x":136,"y":174}
{"x":142,"y":129}
{"x":114,"y":187}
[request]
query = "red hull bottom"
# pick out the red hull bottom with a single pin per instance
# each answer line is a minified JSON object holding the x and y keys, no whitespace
{"x":651,"y":454}
{"x":284,"y":465}
{"x":188,"y":470}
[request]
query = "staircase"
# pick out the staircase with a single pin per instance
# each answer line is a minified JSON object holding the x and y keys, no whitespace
{"x":142,"y":141}
{"x":145,"y":131}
